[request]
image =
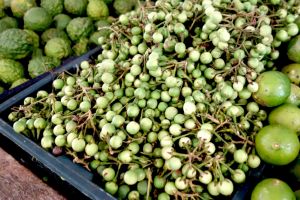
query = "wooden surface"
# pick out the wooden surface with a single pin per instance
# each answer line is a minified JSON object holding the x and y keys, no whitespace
{"x":19,"y":183}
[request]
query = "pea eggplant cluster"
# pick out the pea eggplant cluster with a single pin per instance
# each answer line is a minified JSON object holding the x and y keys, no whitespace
{"x":166,"y":110}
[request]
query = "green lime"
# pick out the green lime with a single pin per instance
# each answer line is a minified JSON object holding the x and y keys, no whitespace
{"x":273,"y":88}
{"x":293,"y":72}
{"x":293,"y":50}
{"x":287,"y":115}
{"x":272,"y":189}
{"x":277,"y":144}
{"x":294,"y":97}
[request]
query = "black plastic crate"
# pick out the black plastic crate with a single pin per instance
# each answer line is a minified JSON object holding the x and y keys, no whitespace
{"x":61,"y":167}
{"x":36,"y":167}
{"x":62,"y":171}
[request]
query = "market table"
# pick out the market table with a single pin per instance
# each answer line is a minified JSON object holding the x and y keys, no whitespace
{"x":18,"y":182}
